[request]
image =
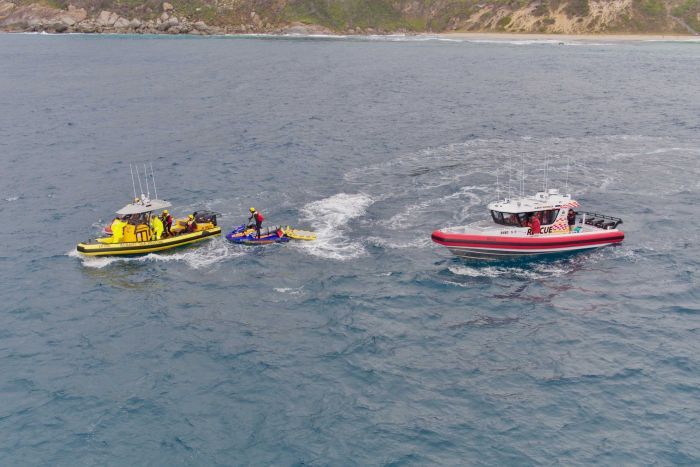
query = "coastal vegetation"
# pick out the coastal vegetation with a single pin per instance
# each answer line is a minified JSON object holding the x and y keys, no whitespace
{"x":353,"y":16}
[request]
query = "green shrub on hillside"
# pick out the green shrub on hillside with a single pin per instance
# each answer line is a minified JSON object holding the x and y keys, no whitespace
{"x":688,"y":12}
{"x":505,"y":21}
{"x":651,"y":7}
{"x":542,"y":9}
{"x":339,"y":15}
{"x":577,"y":8}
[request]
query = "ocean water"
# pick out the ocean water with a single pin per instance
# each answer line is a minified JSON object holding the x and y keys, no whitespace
{"x":370,"y":346}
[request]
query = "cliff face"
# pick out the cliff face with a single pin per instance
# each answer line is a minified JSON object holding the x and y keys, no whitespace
{"x":352,"y":16}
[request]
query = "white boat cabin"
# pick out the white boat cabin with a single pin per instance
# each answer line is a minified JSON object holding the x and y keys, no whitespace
{"x":553,"y":209}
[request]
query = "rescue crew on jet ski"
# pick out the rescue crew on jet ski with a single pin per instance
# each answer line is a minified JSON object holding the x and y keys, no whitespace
{"x":258,"y":218}
{"x":167,"y":220}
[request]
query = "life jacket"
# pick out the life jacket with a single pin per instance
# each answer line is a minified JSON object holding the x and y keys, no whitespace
{"x":259,"y":218}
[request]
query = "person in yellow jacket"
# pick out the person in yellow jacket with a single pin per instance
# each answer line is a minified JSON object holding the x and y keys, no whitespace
{"x":117,"y":230}
{"x":156,"y":227}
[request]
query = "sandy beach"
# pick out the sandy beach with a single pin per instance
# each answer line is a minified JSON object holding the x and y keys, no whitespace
{"x":569,"y":37}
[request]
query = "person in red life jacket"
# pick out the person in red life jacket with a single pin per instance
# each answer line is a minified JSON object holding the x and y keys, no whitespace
{"x":535,"y":223}
{"x":167,"y":220}
{"x":258,"y":218}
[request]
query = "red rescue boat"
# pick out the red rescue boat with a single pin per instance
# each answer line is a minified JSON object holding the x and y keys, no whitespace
{"x":557,"y":226}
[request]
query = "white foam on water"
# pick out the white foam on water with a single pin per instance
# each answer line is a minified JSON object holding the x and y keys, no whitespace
{"x":196,"y":256}
{"x":329,"y":218}
{"x":10,"y":199}
{"x":420,"y":242}
{"x":290,"y":290}
{"x":537,"y":271}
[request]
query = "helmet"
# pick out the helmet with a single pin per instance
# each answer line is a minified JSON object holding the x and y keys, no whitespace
{"x":252,"y":209}
{"x":165,"y":211}
{"x":190,"y":216}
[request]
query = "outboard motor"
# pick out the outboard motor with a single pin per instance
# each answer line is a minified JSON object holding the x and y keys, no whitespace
{"x":205,"y":217}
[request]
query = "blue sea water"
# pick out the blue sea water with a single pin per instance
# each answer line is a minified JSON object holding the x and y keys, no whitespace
{"x":371,"y":346}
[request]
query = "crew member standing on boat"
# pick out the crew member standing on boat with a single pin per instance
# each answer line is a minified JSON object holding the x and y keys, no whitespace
{"x":167,"y":220}
{"x":258,"y":218}
{"x":157,"y":227}
{"x":117,"y":230}
{"x":535,"y":223}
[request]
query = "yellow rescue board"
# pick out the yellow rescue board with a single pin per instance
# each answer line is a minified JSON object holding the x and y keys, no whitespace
{"x":299,"y":234}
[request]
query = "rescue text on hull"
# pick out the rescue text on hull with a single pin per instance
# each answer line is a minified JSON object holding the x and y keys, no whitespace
{"x":557,"y":228}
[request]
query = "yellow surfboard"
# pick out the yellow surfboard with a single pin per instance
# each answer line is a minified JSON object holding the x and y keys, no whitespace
{"x":299,"y":234}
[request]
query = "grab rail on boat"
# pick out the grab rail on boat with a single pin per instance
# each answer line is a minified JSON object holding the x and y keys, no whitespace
{"x":600,"y":220}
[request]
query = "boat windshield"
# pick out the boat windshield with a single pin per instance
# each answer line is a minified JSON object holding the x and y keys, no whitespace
{"x":521,"y":219}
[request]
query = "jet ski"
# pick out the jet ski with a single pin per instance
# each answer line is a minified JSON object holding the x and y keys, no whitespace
{"x":246,"y":235}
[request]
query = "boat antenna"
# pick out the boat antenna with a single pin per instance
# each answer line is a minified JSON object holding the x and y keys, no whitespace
{"x":145,"y":176}
{"x":510,"y":165}
{"x":522,"y":175}
{"x":133,"y":183}
{"x":139,"y":177}
{"x":498,"y":186}
{"x":153,"y":176}
{"x":566,"y":189}
{"x":546,"y":161}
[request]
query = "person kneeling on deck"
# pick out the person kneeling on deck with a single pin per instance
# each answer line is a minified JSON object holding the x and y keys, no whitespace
{"x":191,"y":224}
{"x":156,"y":227}
{"x":167,"y":221}
{"x":258,"y":218}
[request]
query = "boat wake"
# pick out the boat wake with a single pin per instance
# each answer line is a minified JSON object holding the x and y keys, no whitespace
{"x":538,"y":271}
{"x":330,"y":218}
{"x":196,"y":256}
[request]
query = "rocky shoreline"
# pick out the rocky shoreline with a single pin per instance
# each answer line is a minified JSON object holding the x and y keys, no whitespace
{"x":41,"y":18}
{"x":86,"y":16}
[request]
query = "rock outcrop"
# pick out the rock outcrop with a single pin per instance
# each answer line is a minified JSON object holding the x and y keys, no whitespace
{"x":36,"y":17}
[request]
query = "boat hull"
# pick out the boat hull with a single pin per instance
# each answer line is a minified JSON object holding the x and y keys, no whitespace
{"x":142,"y":248}
{"x":506,"y":247}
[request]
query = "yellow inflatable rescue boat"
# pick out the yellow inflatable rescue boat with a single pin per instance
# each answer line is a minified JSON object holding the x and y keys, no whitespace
{"x":138,"y":229}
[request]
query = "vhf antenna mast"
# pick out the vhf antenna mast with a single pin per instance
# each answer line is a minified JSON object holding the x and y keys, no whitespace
{"x":145,"y":176}
{"x":153,"y":175}
{"x":133,"y":183}
{"x":139,"y":177}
